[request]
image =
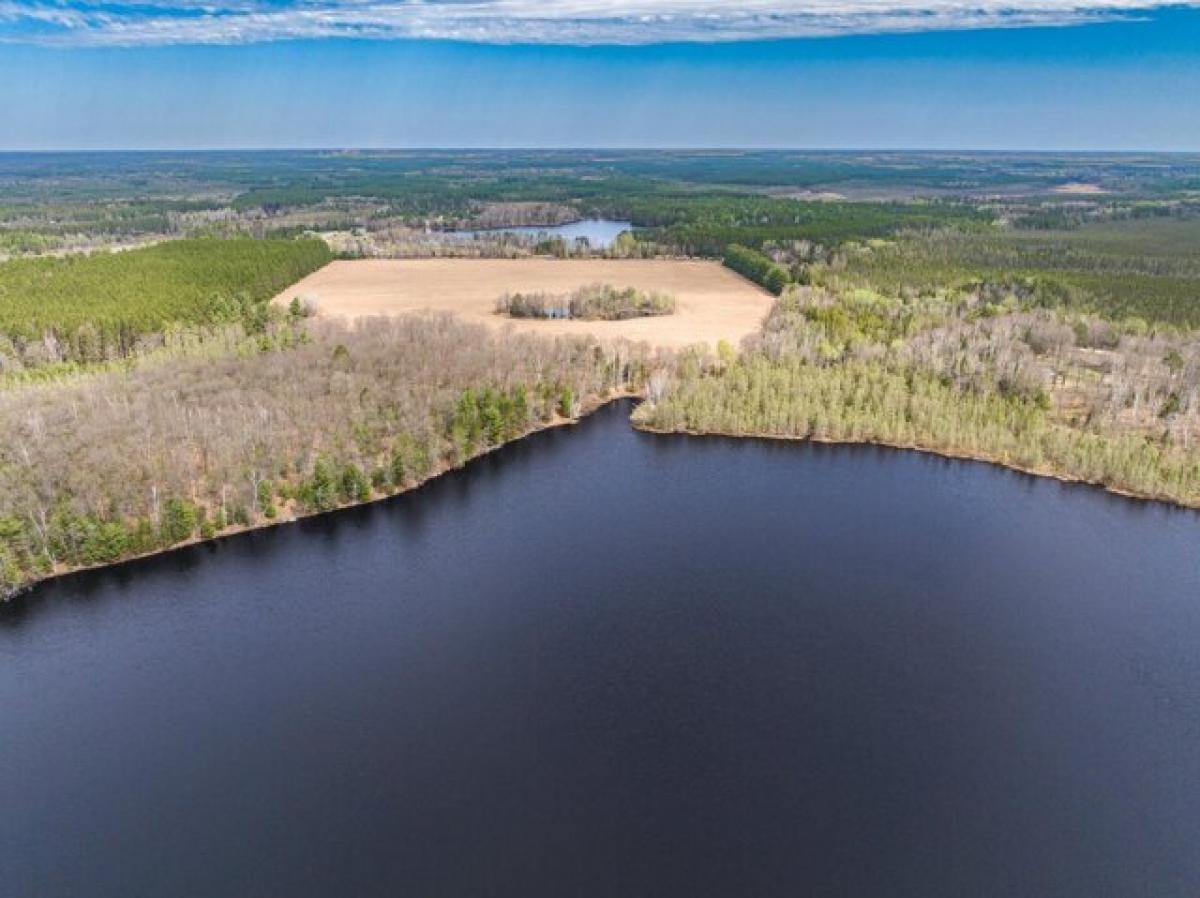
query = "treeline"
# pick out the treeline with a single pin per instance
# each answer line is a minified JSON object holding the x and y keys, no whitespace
{"x":97,"y":307}
{"x":104,"y":466}
{"x":453,"y":198}
{"x":26,"y":242}
{"x":704,"y":225}
{"x":54,"y":217}
{"x":963,"y":374}
{"x":1144,"y":269}
{"x":756,"y":267}
{"x":864,"y":401}
{"x":677,"y":218}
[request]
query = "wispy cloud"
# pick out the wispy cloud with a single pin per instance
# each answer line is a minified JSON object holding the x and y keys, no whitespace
{"x":577,"y":22}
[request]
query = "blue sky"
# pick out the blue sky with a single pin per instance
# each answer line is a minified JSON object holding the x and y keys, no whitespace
{"x":881,"y":74}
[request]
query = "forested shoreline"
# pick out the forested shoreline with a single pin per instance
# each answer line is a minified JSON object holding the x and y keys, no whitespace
{"x":104,"y":467}
{"x":104,"y":546}
{"x":966,"y":452}
{"x":974,"y":375}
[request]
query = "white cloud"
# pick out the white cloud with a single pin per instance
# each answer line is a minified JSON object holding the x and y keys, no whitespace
{"x":580,"y":22}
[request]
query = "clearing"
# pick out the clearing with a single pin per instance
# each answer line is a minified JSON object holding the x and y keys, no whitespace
{"x":712,"y":303}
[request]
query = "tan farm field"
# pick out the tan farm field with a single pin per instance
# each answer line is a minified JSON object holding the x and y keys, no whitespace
{"x":712,"y":303}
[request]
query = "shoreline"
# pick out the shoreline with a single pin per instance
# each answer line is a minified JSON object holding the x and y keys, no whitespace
{"x":977,"y":456}
{"x":534,"y":230}
{"x":589,"y":408}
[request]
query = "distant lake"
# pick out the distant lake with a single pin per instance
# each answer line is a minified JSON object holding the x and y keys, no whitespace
{"x":599,"y":232}
{"x":603,"y":663}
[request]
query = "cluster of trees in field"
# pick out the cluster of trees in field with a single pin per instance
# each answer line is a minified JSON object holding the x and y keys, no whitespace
{"x":595,"y":302}
{"x":1060,"y":392}
{"x":97,"y":307}
{"x":106,"y":465}
{"x":756,"y":267}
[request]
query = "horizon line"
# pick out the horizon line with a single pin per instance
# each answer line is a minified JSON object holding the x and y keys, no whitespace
{"x":468,"y":148}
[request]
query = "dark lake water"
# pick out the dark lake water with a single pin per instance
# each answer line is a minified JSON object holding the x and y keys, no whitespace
{"x":599,"y":232}
{"x":601,"y":663}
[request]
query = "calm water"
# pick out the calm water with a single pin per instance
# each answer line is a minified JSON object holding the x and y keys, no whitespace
{"x":610,"y":664}
{"x":599,"y":232}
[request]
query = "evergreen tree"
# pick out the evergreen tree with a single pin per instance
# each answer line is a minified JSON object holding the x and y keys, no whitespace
{"x":179,"y":520}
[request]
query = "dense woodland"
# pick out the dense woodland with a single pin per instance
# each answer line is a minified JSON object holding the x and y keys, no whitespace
{"x":91,"y":308}
{"x":1147,"y":269}
{"x":757,"y":267}
{"x":103,"y":466}
{"x":973,"y":373}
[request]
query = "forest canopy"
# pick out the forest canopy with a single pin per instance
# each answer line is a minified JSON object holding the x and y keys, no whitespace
{"x":98,"y":305}
{"x":104,"y":466}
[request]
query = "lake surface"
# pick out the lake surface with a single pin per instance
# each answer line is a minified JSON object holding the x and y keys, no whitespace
{"x":603,"y":663}
{"x":599,"y":232}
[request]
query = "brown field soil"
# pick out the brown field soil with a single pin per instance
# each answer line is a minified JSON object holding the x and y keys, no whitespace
{"x":712,"y":303}
{"x":1079,"y":188}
